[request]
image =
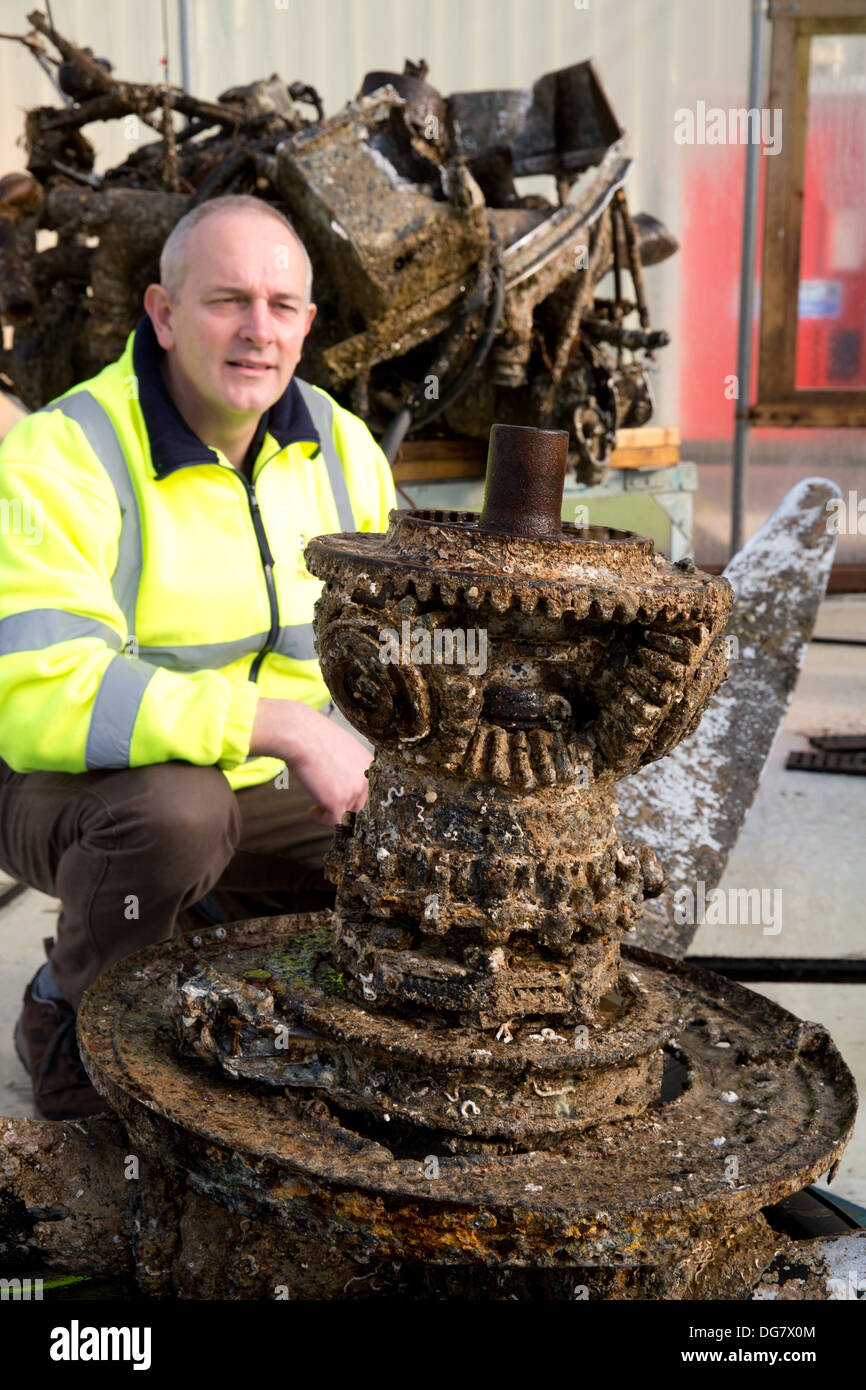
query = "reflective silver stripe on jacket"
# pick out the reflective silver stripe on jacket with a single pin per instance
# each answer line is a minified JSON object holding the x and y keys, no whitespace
{"x":294,"y":640}
{"x":322,"y":413}
{"x":205,"y":655}
{"x":101,"y":435}
{"x":115,"y":711}
{"x":297,"y":642}
{"x":38,"y":628}
{"x":44,"y":627}
{"x":121,"y":688}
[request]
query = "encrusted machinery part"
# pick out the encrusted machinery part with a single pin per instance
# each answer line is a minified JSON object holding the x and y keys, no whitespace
{"x":638,"y":1193}
{"x":485,"y":880}
{"x":168,"y":1236}
{"x":360,"y":188}
{"x":430,"y":262}
{"x":460,"y":1066}
{"x":288,"y":1022}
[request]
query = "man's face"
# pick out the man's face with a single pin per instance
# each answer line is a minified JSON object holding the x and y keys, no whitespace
{"x":239,"y":323}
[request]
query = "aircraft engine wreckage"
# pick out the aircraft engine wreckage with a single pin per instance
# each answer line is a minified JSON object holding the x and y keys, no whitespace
{"x":460,"y":1082}
{"x":431,"y":270}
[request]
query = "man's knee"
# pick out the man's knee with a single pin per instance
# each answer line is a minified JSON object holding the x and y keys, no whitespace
{"x":191,"y":811}
{"x":177,"y":817}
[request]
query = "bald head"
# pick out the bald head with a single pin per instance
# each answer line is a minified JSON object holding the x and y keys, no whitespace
{"x":175,"y":258}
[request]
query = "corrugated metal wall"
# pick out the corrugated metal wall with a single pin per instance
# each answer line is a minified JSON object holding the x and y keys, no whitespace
{"x":653,"y":56}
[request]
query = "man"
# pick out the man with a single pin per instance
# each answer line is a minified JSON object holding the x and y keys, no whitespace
{"x":166,"y":761}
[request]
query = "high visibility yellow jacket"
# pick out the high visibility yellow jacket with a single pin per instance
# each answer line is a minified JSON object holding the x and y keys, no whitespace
{"x":149,"y":591}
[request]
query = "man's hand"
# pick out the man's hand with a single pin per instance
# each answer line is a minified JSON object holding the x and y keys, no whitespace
{"x":327,"y":760}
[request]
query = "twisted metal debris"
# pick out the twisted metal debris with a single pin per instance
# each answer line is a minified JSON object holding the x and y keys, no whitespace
{"x":433,"y":271}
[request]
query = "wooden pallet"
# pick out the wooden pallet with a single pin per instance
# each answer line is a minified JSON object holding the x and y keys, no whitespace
{"x":428,"y":460}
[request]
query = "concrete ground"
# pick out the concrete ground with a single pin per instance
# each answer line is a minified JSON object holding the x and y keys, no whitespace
{"x":805,"y":834}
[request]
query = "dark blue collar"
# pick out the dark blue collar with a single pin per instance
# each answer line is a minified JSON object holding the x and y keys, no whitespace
{"x":172,"y":443}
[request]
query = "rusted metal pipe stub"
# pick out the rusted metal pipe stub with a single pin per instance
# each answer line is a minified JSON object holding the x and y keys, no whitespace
{"x":524,"y":481}
{"x":468,"y":999}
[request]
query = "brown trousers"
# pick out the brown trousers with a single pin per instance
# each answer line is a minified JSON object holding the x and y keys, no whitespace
{"x":130,"y":851}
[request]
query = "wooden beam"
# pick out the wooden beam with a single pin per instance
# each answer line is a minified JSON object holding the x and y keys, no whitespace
{"x":662,"y":456}
{"x":847,"y":579}
{"x":651,"y":446}
{"x":648,"y":437}
{"x":844,"y":579}
{"x":830,"y":11}
{"x":855,"y":25}
{"x":783,"y":209}
{"x":794,"y":25}
{"x":813,"y":409}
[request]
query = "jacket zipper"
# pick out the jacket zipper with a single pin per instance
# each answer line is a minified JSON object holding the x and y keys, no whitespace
{"x":267,"y":560}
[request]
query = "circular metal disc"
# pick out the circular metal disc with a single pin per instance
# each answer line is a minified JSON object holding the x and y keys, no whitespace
{"x":767,"y":1106}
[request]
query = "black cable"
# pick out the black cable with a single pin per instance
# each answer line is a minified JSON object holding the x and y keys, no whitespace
{"x":476,"y":357}
{"x":225,"y":171}
{"x":400,"y":426}
{"x":818,"y":970}
{"x":396,"y":433}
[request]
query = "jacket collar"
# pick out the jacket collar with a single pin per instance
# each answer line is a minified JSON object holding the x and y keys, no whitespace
{"x":172,"y":443}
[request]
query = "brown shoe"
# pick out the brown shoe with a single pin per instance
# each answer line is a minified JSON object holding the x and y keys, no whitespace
{"x":47,"y":1045}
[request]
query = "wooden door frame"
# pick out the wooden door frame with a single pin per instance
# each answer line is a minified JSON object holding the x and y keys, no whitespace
{"x":778,"y":401}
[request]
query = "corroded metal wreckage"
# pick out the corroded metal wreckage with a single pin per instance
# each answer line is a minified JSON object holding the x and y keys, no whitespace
{"x":460,"y":1082}
{"x":434,"y":272}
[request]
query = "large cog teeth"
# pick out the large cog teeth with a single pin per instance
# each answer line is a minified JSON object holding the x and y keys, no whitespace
{"x":582,"y":598}
{"x":542,"y":762}
{"x":528,"y":759}
{"x":496,"y":898}
{"x":648,"y":686}
{"x":678,"y":645}
{"x":561,"y":760}
{"x":660,"y":664}
{"x":603,"y":607}
{"x":554,"y":605}
{"x":520,"y":764}
{"x":638,"y":706}
{"x":499,"y":763}
{"x":423,"y":587}
{"x":617,"y":743}
{"x":448,"y":591}
{"x":476,"y":759}
{"x":527,"y":600}
{"x":628,"y":608}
